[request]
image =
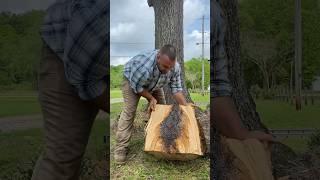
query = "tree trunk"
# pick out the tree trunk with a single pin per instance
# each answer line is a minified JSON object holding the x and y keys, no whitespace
{"x":241,"y":96}
{"x":242,"y":99}
{"x":266,"y":77}
{"x":169,"y":30}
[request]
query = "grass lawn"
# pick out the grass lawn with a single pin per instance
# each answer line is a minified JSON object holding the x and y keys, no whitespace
{"x":196,"y":97}
{"x":277,"y":115}
{"x":16,"y":106}
{"x":299,"y":145}
{"x":143,"y":166}
{"x":20,"y":149}
{"x":115,"y":93}
{"x":274,"y":114}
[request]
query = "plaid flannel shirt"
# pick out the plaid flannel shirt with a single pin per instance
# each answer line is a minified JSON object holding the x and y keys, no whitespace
{"x":78,"y":32}
{"x":143,"y":73}
{"x":220,"y":82}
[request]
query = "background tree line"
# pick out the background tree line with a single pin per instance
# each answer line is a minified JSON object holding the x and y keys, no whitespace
{"x":20,"y":49}
{"x":267,"y":42}
{"x":193,"y":72}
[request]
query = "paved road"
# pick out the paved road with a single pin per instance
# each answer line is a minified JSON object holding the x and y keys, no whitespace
{"x":116,"y":100}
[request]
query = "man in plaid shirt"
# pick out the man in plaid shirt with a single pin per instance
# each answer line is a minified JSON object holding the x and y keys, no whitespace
{"x":145,"y":75}
{"x":225,"y":114}
{"x":73,"y":83}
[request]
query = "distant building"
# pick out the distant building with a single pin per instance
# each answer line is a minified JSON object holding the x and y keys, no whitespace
{"x":316,"y":84}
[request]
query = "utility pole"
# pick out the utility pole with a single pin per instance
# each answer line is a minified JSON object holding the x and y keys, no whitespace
{"x":202,"y":83}
{"x":291,"y":83}
{"x":298,"y":54}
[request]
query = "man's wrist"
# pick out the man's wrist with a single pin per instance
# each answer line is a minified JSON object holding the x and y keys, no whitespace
{"x":180,"y":98}
{"x":147,"y":95}
{"x":151,"y":98}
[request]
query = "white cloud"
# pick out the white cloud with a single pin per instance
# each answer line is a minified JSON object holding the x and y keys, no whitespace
{"x":132,"y":21}
{"x":121,"y":29}
{"x":192,"y":9}
{"x":191,"y":49}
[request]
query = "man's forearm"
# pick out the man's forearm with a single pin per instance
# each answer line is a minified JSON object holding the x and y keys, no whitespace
{"x":179,"y":97}
{"x":226,"y":117}
{"x":146,"y":94}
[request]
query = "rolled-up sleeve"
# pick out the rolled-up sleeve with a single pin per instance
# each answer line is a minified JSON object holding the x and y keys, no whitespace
{"x":175,"y":81}
{"x":220,"y":83}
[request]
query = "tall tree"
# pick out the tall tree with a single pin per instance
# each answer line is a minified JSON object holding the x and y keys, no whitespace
{"x":244,"y":102}
{"x":169,"y":30}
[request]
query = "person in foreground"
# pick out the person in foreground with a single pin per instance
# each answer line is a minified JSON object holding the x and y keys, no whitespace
{"x":73,"y":83}
{"x":144,"y":76}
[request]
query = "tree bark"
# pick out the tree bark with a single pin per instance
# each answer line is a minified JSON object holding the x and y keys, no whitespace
{"x":244,"y":102}
{"x":169,"y":30}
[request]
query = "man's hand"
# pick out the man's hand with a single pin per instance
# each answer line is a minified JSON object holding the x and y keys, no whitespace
{"x":152,"y":105}
{"x":150,"y":98}
{"x":179,"y":97}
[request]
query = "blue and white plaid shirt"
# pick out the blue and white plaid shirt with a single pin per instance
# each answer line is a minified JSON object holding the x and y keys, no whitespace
{"x":78,"y":32}
{"x":143,"y":73}
{"x":220,"y":82}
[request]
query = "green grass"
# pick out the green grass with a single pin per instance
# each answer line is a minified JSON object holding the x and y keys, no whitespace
{"x":16,"y":92}
{"x":299,"y":145}
{"x":115,"y":110}
{"x":274,"y":114}
{"x":196,"y":97}
{"x":277,"y":114}
{"x":143,"y":166}
{"x":115,"y":93}
{"x":25,"y":146}
{"x":281,"y":115}
{"x":18,"y":147}
{"x":16,"y":106}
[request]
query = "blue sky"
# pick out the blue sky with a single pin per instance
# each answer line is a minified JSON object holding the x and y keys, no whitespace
{"x":132,"y":28}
